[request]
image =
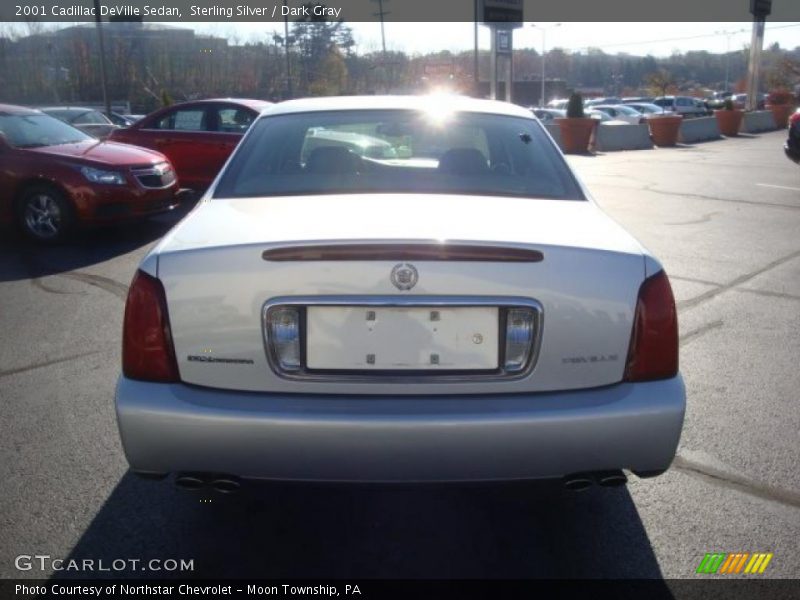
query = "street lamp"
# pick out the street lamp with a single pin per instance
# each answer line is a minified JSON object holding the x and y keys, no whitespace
{"x":543,"y":31}
{"x":727,"y":35}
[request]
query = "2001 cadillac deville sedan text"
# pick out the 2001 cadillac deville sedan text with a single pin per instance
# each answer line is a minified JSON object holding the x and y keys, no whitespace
{"x":399,"y":289}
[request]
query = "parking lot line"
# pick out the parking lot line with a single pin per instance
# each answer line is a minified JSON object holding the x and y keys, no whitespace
{"x":691,"y":303}
{"x":780,"y":187}
{"x":47,"y":363}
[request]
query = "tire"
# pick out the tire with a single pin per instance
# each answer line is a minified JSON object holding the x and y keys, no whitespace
{"x":44,"y":214}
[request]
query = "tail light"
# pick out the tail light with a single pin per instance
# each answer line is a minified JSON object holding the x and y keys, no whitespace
{"x":520,"y":333}
{"x":283,"y":332}
{"x":795,"y":118}
{"x":147,"y":350}
{"x":653,"y":352}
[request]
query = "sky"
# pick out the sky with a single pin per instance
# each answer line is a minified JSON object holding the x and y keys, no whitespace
{"x":658,"y":39}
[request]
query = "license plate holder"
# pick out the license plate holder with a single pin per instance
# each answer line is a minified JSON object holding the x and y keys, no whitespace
{"x":402,"y":338}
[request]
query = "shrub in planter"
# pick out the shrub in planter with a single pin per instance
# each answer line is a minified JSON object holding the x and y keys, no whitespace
{"x":729,"y":119}
{"x":780,"y":103}
{"x":664,"y":128}
{"x":576,"y":128}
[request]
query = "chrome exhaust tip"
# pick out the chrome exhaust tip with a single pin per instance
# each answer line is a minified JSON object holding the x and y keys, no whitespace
{"x":186,"y":481}
{"x":226,"y":485}
{"x":577,"y":483}
{"x":612,"y":479}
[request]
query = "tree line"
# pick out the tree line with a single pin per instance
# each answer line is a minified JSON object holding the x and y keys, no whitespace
{"x":149,"y":65}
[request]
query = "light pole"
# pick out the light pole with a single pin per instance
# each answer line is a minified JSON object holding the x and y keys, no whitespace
{"x":288,"y":56}
{"x":103,"y":70}
{"x":543,"y":31}
{"x":727,"y":35}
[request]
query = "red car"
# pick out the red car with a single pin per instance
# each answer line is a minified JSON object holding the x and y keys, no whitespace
{"x":792,"y":145}
{"x":198,"y":137}
{"x":54,"y":177}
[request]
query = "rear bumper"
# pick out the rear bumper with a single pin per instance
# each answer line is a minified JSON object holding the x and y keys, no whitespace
{"x":176,"y":427}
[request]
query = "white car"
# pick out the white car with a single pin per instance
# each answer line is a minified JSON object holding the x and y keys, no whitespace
{"x":603,"y":118}
{"x":621,"y":112}
{"x":558,"y":103}
{"x":611,"y":101}
{"x":458,"y":311}
{"x":548,"y":114}
{"x":646,"y":108}
{"x":682,"y":105}
{"x":90,"y":121}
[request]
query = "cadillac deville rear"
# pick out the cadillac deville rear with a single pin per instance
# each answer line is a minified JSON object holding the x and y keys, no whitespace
{"x":399,"y":289}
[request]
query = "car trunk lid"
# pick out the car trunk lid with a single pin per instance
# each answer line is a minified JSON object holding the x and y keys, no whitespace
{"x":231,"y":258}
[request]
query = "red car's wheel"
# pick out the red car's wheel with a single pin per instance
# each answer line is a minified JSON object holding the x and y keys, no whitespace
{"x":44,"y":214}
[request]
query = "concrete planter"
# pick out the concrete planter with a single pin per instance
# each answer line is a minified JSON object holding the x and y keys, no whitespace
{"x":757,"y":121}
{"x":622,"y":137}
{"x":575,"y":134}
{"x":699,"y":130}
{"x":664,"y":129}
{"x":781,"y":112}
{"x":729,"y":121}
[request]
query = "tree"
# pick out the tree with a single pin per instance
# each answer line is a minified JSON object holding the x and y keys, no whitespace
{"x":316,"y":39}
{"x":332,"y":77}
{"x":780,"y":76}
{"x":661,"y":82}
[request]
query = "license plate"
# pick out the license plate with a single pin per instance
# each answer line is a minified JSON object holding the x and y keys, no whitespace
{"x":402,"y":338}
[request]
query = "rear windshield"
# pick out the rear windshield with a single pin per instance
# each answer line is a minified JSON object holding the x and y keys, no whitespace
{"x":397,"y":151}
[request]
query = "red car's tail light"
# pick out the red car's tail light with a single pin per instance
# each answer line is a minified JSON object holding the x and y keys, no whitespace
{"x":653,"y":352}
{"x":795,"y":118}
{"x":147,"y":350}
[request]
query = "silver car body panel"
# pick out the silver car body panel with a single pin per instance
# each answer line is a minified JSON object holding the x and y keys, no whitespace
{"x":217,"y":282}
{"x":176,"y":427}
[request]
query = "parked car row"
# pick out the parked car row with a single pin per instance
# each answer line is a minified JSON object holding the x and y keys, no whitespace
{"x":548,"y":114}
{"x":631,"y":114}
{"x":58,"y":175}
{"x":64,"y":167}
{"x":683,"y":105}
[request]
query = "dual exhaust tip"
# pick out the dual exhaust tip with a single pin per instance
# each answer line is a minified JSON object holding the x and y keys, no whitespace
{"x":224,"y":484}
{"x":583,"y":481}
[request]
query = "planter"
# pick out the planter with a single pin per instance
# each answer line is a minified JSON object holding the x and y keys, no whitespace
{"x":781,"y":112}
{"x":729,"y":121}
{"x":664,"y":129}
{"x":575,"y":134}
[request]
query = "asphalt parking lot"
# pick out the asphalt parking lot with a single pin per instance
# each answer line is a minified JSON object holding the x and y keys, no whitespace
{"x":724,"y":218}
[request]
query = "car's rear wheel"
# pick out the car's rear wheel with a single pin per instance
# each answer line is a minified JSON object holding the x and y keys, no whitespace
{"x":44,"y":214}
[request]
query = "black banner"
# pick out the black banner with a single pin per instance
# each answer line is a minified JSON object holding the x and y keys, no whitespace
{"x":651,"y":589}
{"x":398,"y":11}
